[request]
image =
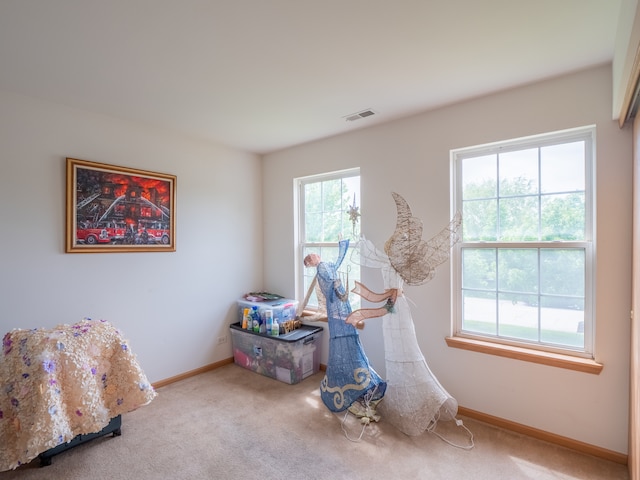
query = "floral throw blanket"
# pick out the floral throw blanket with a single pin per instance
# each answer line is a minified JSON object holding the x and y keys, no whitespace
{"x":59,"y":383}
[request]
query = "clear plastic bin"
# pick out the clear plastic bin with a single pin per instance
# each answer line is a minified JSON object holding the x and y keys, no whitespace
{"x":290,"y":357}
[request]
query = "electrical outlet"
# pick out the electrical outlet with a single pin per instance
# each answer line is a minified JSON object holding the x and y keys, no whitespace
{"x":222,"y":340}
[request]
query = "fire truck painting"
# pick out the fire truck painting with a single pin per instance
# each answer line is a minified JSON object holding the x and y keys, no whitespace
{"x":115,"y":208}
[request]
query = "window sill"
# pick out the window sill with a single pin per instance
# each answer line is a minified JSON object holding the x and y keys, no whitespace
{"x":585,"y":365}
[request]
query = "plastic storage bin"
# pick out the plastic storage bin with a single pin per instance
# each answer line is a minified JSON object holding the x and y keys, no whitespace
{"x":283,"y":309}
{"x":290,"y":357}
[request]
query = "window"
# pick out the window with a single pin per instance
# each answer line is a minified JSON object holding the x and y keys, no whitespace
{"x":329,"y":210}
{"x":523,"y":271}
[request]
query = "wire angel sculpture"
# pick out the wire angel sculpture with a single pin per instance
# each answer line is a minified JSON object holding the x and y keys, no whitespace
{"x":414,"y":399}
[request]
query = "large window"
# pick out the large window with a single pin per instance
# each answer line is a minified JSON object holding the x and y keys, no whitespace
{"x":523,"y":272}
{"x":329,"y":211}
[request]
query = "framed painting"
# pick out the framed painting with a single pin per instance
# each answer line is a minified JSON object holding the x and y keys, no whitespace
{"x":119,"y":209}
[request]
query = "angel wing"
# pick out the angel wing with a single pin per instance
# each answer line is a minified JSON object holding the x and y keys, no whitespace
{"x":413,"y":258}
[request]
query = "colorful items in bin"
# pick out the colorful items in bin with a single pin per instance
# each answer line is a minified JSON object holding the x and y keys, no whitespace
{"x":268,"y":315}
{"x":247,"y":322}
{"x":255,"y":319}
{"x":284,"y":309}
{"x":290,"y":325}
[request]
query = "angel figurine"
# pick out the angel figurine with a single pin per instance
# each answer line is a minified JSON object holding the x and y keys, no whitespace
{"x":414,"y":399}
{"x":349,"y":377}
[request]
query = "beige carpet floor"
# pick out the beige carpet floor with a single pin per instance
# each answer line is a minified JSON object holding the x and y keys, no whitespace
{"x":231,"y":423}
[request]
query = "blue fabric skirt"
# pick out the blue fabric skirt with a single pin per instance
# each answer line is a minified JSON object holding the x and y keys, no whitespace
{"x":349,"y":375}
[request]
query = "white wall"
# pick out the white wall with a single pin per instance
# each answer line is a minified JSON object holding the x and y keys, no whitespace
{"x":171,"y":306}
{"x":411,"y":157}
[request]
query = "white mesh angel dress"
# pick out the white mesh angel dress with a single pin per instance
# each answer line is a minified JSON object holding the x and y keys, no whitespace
{"x":414,"y":399}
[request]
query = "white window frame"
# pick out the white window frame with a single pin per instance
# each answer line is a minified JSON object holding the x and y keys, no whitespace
{"x":588,"y":134}
{"x":300,"y":234}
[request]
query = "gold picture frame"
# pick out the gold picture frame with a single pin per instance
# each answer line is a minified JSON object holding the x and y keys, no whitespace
{"x":118,"y":209}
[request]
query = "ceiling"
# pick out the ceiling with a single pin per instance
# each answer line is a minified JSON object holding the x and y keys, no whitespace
{"x":263,"y":75}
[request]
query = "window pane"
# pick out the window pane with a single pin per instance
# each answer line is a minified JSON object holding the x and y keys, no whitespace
{"x":332,"y":227}
{"x":518,"y":270}
{"x":518,"y":316}
{"x":313,"y":227}
{"x":563,"y":167}
{"x":562,"y":272}
{"x":479,"y":312}
{"x":562,"y":321}
{"x":329,"y":254}
{"x":563,"y":217}
{"x":313,"y":197}
{"x":479,"y":177}
{"x":331,"y":193}
{"x":519,"y":219}
{"x":480,"y":220}
{"x":479,"y":268}
{"x":519,"y":172}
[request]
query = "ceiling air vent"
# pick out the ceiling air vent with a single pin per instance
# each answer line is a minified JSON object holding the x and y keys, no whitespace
{"x":359,"y":115}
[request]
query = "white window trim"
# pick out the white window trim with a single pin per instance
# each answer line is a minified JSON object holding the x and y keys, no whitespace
{"x":513,"y":348}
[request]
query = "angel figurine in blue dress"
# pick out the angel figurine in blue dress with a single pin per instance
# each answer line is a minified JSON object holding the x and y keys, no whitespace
{"x":349,"y":377}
